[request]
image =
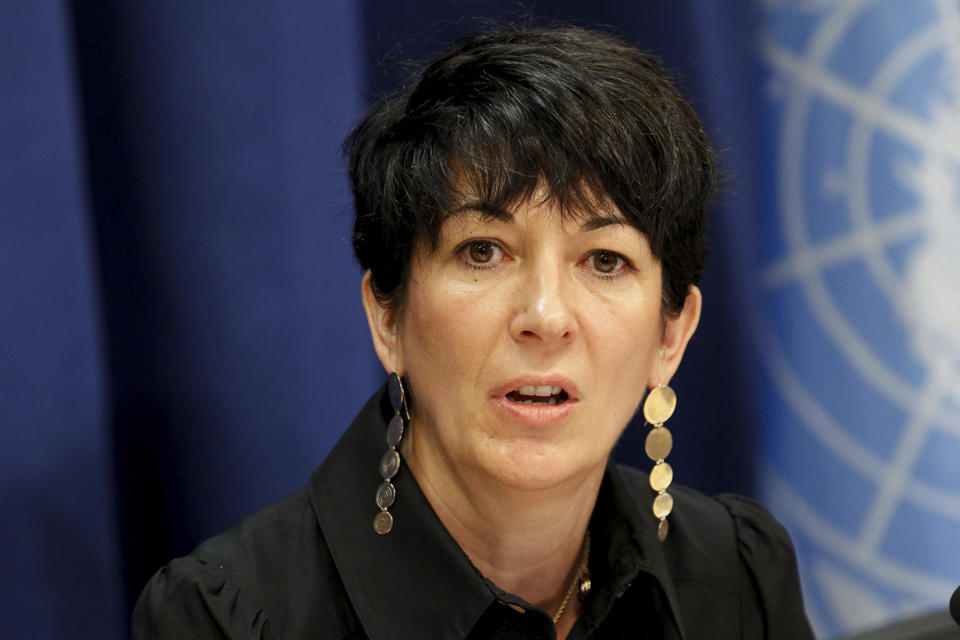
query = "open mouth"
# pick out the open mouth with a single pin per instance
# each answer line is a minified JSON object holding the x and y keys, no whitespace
{"x":548,"y":395}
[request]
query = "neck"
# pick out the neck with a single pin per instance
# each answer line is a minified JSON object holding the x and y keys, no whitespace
{"x":528,"y":542}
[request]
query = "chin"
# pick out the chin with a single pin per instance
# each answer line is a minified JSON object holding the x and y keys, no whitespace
{"x":535,"y":467}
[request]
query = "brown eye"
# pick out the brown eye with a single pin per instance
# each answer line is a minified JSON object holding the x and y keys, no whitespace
{"x":605,"y":261}
{"x":481,"y":251}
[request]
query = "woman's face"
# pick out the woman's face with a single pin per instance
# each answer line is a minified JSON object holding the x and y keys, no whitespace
{"x":528,"y":342}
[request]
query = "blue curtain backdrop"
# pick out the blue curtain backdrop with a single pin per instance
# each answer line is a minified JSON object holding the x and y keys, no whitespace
{"x":181,"y":338}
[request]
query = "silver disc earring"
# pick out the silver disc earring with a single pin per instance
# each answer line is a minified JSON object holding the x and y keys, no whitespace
{"x":390,"y":462}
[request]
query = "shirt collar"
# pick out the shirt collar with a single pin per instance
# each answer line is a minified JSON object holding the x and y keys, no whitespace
{"x":623,"y":507}
{"x":416,"y":582}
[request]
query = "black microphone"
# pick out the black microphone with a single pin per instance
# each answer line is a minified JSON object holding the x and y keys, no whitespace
{"x":955,"y":606}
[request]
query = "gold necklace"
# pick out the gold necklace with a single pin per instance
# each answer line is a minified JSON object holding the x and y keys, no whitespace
{"x":582,"y":578}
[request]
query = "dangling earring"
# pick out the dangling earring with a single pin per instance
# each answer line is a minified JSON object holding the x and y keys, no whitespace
{"x":390,"y":462}
{"x":657,"y":409}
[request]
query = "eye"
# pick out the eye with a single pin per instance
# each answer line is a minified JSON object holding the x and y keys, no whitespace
{"x":607,"y":262}
{"x":481,"y":253}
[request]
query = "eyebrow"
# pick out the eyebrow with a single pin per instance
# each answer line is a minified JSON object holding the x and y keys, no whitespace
{"x":485,"y":208}
{"x":598,"y":222}
{"x":592,"y":223}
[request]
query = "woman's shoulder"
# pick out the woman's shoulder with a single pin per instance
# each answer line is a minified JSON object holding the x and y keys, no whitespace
{"x":732,"y":521}
{"x":269,"y":576}
{"x":737,"y":533}
{"x":728,"y":553}
{"x":718,"y":525}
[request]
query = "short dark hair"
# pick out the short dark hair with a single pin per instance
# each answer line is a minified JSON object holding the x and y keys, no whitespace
{"x":502,"y":113}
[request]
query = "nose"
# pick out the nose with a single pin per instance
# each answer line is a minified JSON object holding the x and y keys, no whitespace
{"x":544,"y":311}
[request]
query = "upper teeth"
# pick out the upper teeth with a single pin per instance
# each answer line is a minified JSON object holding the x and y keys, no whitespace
{"x":546,"y":390}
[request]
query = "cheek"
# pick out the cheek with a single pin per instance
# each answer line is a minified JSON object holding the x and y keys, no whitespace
{"x":446,"y":334}
{"x":626,"y":363}
{"x":628,"y":342}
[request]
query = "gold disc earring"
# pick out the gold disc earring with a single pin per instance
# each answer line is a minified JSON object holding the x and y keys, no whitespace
{"x":657,"y":409}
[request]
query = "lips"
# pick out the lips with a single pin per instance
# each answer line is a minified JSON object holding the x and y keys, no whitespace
{"x":537,"y":400}
{"x":548,"y":394}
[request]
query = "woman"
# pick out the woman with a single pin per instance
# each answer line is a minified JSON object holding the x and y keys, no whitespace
{"x":530,"y":215}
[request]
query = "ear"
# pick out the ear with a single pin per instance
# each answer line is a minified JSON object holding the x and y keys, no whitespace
{"x":677,"y":332}
{"x":383,"y":328}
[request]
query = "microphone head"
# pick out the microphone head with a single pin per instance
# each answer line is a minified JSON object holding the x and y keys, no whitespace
{"x":955,"y":606}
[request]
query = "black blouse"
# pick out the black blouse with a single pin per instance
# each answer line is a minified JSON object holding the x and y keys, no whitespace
{"x":311,"y":566}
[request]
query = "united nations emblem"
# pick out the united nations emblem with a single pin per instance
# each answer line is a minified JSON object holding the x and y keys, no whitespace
{"x":858,"y":302}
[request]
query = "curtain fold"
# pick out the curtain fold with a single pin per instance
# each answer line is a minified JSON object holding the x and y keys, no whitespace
{"x":236,"y":344}
{"x":61,"y":569}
